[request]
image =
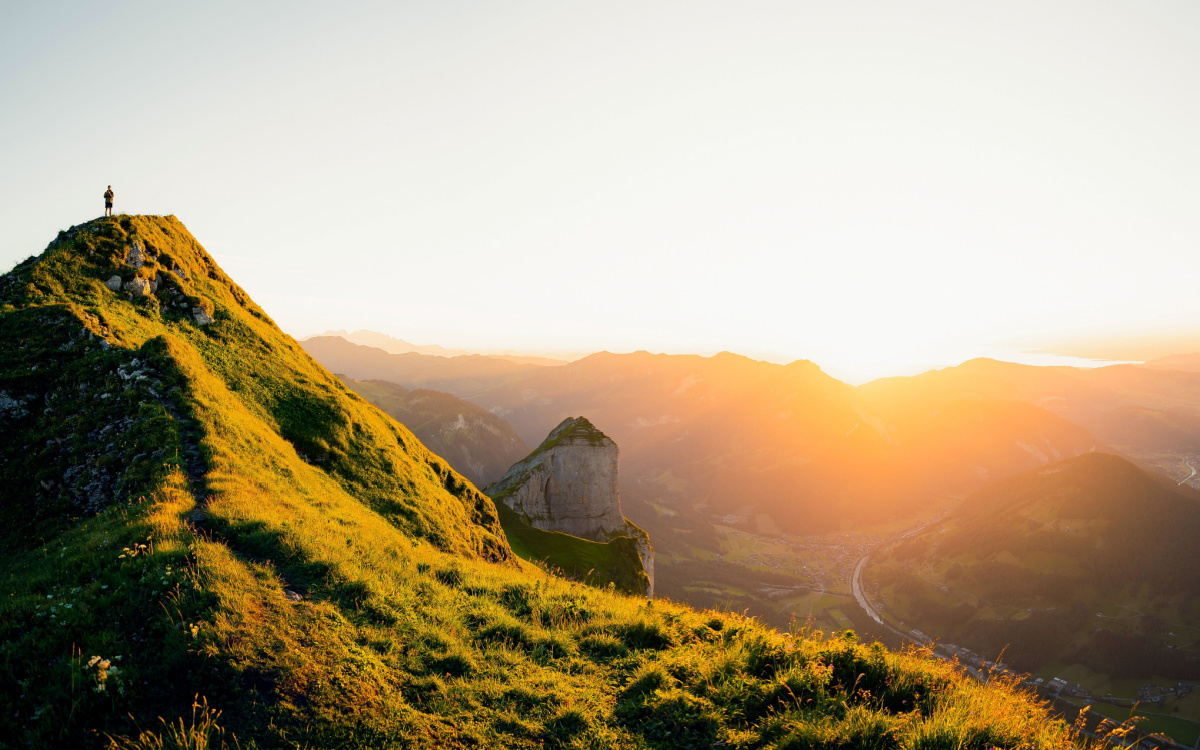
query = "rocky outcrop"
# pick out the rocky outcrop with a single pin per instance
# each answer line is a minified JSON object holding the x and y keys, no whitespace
{"x":134,"y":255}
{"x":569,"y":485}
{"x":138,"y":286}
{"x":646,"y":553}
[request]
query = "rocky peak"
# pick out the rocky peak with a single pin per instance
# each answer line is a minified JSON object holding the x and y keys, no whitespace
{"x":569,"y":485}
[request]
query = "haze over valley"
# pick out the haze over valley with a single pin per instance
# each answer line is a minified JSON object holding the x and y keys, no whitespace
{"x":829,"y":476}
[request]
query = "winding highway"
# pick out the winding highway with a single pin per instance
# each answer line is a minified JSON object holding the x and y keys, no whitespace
{"x":860,"y":596}
{"x":1188,"y":461}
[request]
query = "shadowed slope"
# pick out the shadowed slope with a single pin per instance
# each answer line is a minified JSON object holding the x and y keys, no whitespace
{"x":477,"y":443}
{"x":1089,"y":560}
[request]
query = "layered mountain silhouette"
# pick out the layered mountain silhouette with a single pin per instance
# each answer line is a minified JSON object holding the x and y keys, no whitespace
{"x":393,"y":345}
{"x":744,"y":437}
{"x":1136,"y":409}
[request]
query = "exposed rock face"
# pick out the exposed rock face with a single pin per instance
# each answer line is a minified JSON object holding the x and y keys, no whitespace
{"x":134,"y":255}
{"x":646,"y":552}
{"x":138,"y":286}
{"x":569,"y":485}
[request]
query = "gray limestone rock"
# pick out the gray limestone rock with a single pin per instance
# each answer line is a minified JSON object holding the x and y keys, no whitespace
{"x":113,"y":283}
{"x":134,"y":255}
{"x":202,"y":318}
{"x":646,"y":552}
{"x":139,"y":286}
{"x":12,"y":408}
{"x":569,"y":485}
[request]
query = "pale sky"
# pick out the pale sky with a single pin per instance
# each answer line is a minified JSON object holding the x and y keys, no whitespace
{"x":876,"y":187}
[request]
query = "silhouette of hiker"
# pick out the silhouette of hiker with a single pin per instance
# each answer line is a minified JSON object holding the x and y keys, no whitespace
{"x":108,"y":199}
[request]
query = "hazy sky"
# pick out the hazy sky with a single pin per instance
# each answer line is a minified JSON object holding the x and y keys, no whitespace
{"x":872,"y":186}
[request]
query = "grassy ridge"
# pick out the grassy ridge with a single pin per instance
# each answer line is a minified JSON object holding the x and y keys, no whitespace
{"x":248,"y":531}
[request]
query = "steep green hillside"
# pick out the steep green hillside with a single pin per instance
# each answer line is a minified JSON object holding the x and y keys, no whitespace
{"x":478,"y":444}
{"x":201,"y":523}
{"x":111,"y":385}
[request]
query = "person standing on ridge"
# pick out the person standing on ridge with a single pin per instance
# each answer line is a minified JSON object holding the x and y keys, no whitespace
{"x":108,"y":199}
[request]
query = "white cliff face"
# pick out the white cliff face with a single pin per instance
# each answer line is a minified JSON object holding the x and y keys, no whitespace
{"x":569,"y":485}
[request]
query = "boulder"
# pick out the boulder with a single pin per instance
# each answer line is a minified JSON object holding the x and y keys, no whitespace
{"x":202,"y":317}
{"x":10,"y":407}
{"x":138,"y":286}
{"x":113,"y":283}
{"x":134,"y":255}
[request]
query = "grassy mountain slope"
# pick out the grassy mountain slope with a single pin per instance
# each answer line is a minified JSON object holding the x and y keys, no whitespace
{"x":477,"y":443}
{"x":199,"y":510}
{"x":1089,"y":560}
{"x":77,"y":347}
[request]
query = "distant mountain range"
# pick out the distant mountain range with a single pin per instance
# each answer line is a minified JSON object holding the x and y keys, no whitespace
{"x":743,"y":438}
{"x":1178,"y":362}
{"x":1137,"y":409}
{"x":393,"y":345}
